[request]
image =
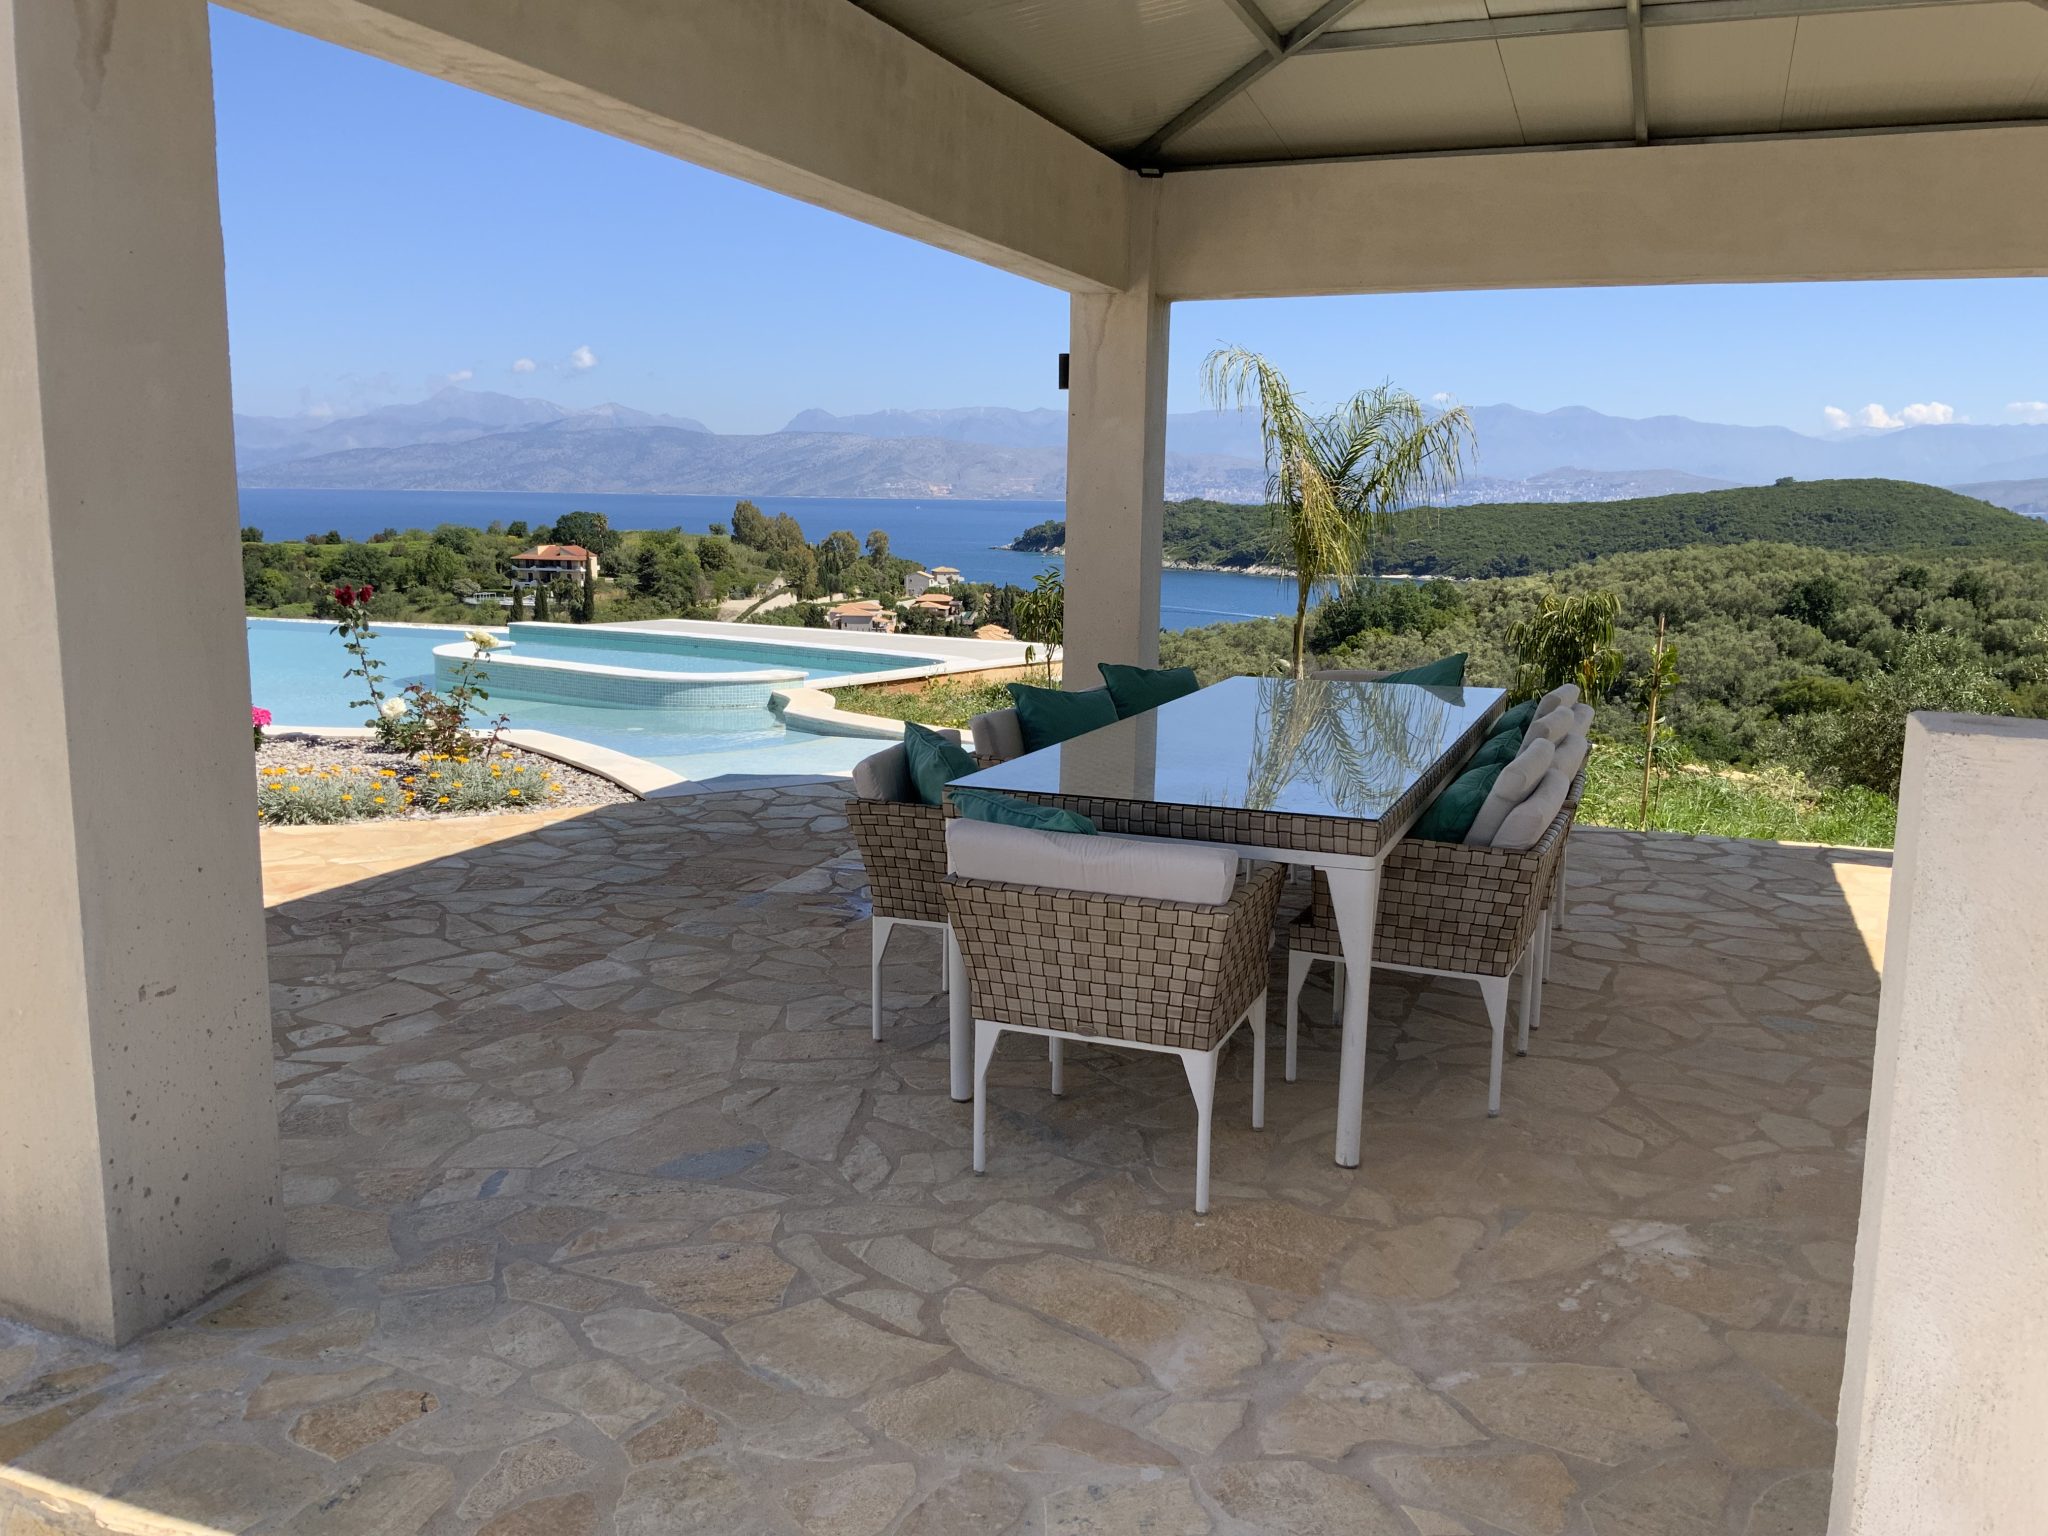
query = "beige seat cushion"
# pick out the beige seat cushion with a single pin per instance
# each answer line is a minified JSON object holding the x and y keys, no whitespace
{"x":1515,"y":784}
{"x":1529,"y":820}
{"x":1155,"y":869}
{"x":885,"y":776}
{"x":998,"y":736}
{"x":1563,"y":696}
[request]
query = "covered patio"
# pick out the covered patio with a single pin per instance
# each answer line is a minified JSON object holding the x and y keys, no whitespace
{"x":588,"y":1205}
{"x":604,"y":1213}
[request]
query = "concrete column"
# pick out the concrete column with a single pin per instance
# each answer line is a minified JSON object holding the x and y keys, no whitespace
{"x":138,"y":1140}
{"x":1946,"y":1390}
{"x":1116,"y":466}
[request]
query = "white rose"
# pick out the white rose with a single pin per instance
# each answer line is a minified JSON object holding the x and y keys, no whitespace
{"x":391,"y":709}
{"x":482,"y":639}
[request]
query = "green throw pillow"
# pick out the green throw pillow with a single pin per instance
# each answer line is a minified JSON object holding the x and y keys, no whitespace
{"x":1009,"y":811}
{"x":1048,"y":716}
{"x":1133,"y":690}
{"x":1451,"y":814}
{"x":934,"y":761}
{"x":1516,"y":720}
{"x":1500,"y":747}
{"x":1447,"y":673}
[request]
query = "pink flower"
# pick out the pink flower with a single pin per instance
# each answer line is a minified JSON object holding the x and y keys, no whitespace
{"x":258,"y":716}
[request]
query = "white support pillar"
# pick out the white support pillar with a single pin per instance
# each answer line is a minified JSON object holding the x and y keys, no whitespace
{"x":1116,"y":466}
{"x":1946,"y":1388}
{"x":138,"y":1138}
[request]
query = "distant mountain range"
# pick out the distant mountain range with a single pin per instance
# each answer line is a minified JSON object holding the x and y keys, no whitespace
{"x":461,"y":439}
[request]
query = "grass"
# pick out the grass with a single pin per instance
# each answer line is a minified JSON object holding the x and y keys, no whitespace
{"x":1774,"y":804}
{"x":943,"y":701}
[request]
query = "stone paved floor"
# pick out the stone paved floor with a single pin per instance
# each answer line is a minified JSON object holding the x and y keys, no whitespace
{"x":607,"y":1217}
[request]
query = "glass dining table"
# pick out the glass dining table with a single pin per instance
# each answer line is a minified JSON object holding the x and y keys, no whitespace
{"x":1324,"y":774}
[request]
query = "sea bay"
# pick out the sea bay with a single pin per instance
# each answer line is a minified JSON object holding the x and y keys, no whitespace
{"x":966,"y":534}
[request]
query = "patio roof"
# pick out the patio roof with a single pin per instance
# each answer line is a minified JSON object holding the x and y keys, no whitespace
{"x":606,"y":1213}
{"x":1206,"y":82}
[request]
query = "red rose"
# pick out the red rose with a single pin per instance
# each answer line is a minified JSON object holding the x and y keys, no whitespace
{"x":366,"y":593}
{"x":345,"y":597}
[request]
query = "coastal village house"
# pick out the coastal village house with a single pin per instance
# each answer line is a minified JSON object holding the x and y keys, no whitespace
{"x":1134,"y":154}
{"x":917,"y":583}
{"x":547,"y":561}
{"x":864,"y":615}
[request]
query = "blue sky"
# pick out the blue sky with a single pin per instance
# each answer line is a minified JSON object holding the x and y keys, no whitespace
{"x":388,"y":233}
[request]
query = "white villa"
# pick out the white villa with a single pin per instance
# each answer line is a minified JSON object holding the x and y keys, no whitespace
{"x":917,"y":583}
{"x":544,"y":562}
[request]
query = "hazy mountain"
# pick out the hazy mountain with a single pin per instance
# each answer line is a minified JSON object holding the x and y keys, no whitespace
{"x":446,"y":416}
{"x":577,"y":454}
{"x":2028,"y":496}
{"x":477,"y":440}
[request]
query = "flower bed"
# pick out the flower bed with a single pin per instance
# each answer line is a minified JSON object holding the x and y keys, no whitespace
{"x":318,"y":781}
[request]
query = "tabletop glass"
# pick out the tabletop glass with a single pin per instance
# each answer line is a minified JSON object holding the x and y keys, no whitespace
{"x":1263,"y":744}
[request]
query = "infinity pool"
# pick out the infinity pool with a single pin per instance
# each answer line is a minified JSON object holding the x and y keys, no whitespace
{"x":295,"y":672}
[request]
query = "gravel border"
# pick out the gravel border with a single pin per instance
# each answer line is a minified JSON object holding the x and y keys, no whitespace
{"x":574,"y":787}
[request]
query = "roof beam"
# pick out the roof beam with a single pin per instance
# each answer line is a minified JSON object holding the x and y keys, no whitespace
{"x":1617,"y":18}
{"x":1269,"y":35}
{"x":816,"y":99}
{"x":1811,"y":207}
{"x":1302,"y":37}
{"x":1638,"y":72}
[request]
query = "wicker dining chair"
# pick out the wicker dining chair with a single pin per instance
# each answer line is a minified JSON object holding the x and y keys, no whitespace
{"x":1074,"y":938}
{"x":902,"y":843}
{"x":1446,"y":909}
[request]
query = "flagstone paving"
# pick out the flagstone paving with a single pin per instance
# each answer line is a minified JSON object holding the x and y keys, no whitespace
{"x":606,"y":1216}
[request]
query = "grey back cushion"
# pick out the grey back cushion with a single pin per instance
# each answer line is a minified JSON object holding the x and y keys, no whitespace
{"x":1516,"y":783}
{"x":1152,"y":869}
{"x":1532,"y":818}
{"x":1563,"y":696}
{"x":1571,"y":755}
{"x":1553,"y":728}
{"x":997,"y":735}
{"x":885,"y":776}
{"x":1346,"y":675}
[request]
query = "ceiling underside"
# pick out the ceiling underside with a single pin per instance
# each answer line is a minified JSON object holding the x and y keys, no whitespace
{"x":1180,"y":83}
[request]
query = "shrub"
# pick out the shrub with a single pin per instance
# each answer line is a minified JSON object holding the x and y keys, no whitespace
{"x":434,"y":783}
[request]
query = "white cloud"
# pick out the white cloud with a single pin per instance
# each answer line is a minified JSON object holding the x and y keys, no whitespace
{"x":2029,"y":410}
{"x":1924,"y":413}
{"x":1931,"y":414}
{"x":462,"y":376}
{"x":1441,"y":397}
{"x":524,"y":365}
{"x":582,"y":358}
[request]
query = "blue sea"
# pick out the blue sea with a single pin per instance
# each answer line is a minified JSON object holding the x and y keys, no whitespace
{"x":958,"y":533}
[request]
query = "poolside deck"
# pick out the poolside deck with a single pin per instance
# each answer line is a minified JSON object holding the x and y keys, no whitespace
{"x":606,"y":1216}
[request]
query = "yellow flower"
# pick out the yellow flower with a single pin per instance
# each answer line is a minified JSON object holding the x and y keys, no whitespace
{"x":497,"y":773}
{"x":504,"y":754}
{"x":513,"y":794}
{"x":435,"y":774}
{"x":442,"y":801}
{"x":292,"y":788}
{"x":346,"y":795}
{"x":376,"y":799}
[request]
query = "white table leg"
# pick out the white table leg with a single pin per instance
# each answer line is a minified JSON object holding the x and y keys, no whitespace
{"x":1355,"y":897}
{"x":959,"y":1004}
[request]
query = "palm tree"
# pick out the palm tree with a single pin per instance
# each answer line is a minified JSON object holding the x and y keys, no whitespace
{"x":1334,"y":482}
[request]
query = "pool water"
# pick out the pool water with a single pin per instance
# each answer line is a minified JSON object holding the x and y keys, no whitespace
{"x":295,"y":672}
{"x":697,"y":654}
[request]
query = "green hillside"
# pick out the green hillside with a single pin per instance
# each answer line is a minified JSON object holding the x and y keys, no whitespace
{"x":1867,"y":517}
{"x":1855,"y":516}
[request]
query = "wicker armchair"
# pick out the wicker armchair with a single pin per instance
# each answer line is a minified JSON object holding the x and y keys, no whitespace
{"x":1446,"y":909}
{"x":1136,"y":970}
{"x":902,"y":842}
